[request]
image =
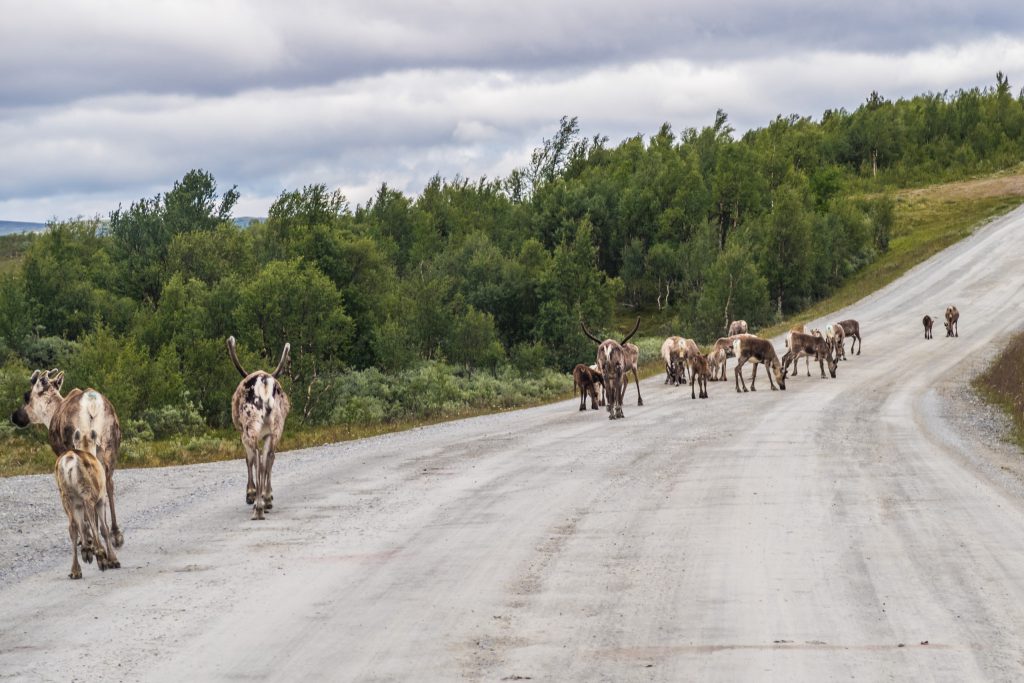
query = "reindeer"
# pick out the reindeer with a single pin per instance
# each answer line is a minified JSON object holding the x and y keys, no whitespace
{"x":757,"y":350}
{"x":259,"y":407}
{"x":671,"y":353}
{"x":699,"y":374}
{"x":716,"y":359}
{"x":87,"y":412}
{"x":851,"y":329}
{"x":611,"y":363}
{"x":838,"y":340}
{"x":81,"y":480}
{"x":631,"y":352}
{"x":928,"y":322}
{"x":800,"y":343}
{"x":807,"y":364}
{"x":952,"y":317}
{"x":587,"y":381}
{"x":724,"y":344}
{"x":737,"y":327}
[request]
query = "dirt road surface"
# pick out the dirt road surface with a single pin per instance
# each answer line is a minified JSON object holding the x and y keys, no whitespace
{"x":840,"y":529}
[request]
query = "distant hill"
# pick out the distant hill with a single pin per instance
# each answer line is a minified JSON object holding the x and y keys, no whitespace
{"x":11,"y":227}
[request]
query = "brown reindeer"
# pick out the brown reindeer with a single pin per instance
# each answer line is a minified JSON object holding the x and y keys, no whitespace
{"x":88,"y":412}
{"x":716,"y":359}
{"x":672,"y":354}
{"x":259,"y":408}
{"x":757,"y":351}
{"x":587,"y":381}
{"x":952,"y":317}
{"x":800,"y":343}
{"x":611,"y":363}
{"x":851,"y":330}
{"x":724,"y":344}
{"x":837,"y":337}
{"x":737,"y":327}
{"x":699,"y":374}
{"x":807,"y":363}
{"x":631,"y":352}
{"x":81,"y":480}
{"x":928,"y":322}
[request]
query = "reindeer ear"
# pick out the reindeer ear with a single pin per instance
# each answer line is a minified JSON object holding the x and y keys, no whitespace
{"x":32,"y":379}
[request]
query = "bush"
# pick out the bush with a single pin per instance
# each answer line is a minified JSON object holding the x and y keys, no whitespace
{"x":167,"y":421}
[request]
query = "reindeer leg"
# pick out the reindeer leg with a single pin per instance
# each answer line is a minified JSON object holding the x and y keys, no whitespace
{"x":636,"y":378}
{"x":97,"y":548}
{"x":114,"y":529}
{"x":261,"y":484}
{"x":268,"y":447}
{"x":108,"y":536}
{"x":250,"y":464}
{"x":739,"y":376}
{"x":76,"y":569}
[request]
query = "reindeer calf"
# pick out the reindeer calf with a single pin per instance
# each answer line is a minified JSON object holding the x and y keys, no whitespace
{"x":699,"y":374}
{"x":587,"y":380}
{"x":81,"y":480}
{"x":928,"y":322}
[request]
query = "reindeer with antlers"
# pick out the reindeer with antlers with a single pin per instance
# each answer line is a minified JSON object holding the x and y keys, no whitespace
{"x":612,"y":364}
{"x":259,"y":407}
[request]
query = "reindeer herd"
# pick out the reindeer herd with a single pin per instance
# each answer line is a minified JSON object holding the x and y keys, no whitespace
{"x":85,"y":434}
{"x":686,"y":363}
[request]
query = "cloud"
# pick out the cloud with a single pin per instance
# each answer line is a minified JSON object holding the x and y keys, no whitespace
{"x":115,"y":105}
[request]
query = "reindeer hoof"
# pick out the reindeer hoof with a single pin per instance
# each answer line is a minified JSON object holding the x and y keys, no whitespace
{"x":250,"y":497}
{"x":639,"y":401}
{"x":87,"y":555}
{"x":75,"y":574}
{"x":118,"y":538}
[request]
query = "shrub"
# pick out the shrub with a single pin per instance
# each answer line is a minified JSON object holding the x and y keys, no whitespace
{"x":169,"y":420}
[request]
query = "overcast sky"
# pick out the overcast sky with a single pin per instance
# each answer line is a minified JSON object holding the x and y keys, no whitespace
{"x":102,"y":103}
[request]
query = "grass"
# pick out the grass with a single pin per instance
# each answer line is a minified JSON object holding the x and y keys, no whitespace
{"x":927,"y":221}
{"x":1002,"y":385}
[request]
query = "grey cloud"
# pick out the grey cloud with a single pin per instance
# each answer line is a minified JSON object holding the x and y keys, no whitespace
{"x":208,"y":49}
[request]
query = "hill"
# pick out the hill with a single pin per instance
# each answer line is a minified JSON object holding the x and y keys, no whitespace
{"x":12,"y":227}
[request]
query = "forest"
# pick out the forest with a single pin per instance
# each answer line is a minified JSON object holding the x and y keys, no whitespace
{"x":473,"y":290}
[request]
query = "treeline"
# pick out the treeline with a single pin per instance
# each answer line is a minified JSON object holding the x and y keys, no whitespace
{"x":486,"y":277}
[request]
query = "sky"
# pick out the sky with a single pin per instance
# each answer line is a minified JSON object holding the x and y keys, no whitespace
{"x":106,"y":102}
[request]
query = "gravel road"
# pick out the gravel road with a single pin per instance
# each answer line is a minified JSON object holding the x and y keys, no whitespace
{"x":867,"y":527}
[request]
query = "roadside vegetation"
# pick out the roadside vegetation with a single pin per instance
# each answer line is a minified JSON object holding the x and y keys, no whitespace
{"x":1002,"y":384}
{"x":467,"y":298}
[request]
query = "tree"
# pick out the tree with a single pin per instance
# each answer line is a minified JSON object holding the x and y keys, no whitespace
{"x":292,"y":301}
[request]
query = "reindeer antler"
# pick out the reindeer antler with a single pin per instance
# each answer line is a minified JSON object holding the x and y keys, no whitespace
{"x":635,"y":328}
{"x":234,"y":356}
{"x":284,"y":360}
{"x":587,"y":332}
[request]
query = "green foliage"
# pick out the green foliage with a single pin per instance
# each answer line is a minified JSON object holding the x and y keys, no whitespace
{"x":130,"y":377}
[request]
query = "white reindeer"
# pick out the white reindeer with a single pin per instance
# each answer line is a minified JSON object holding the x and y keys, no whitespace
{"x":259,"y":407}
